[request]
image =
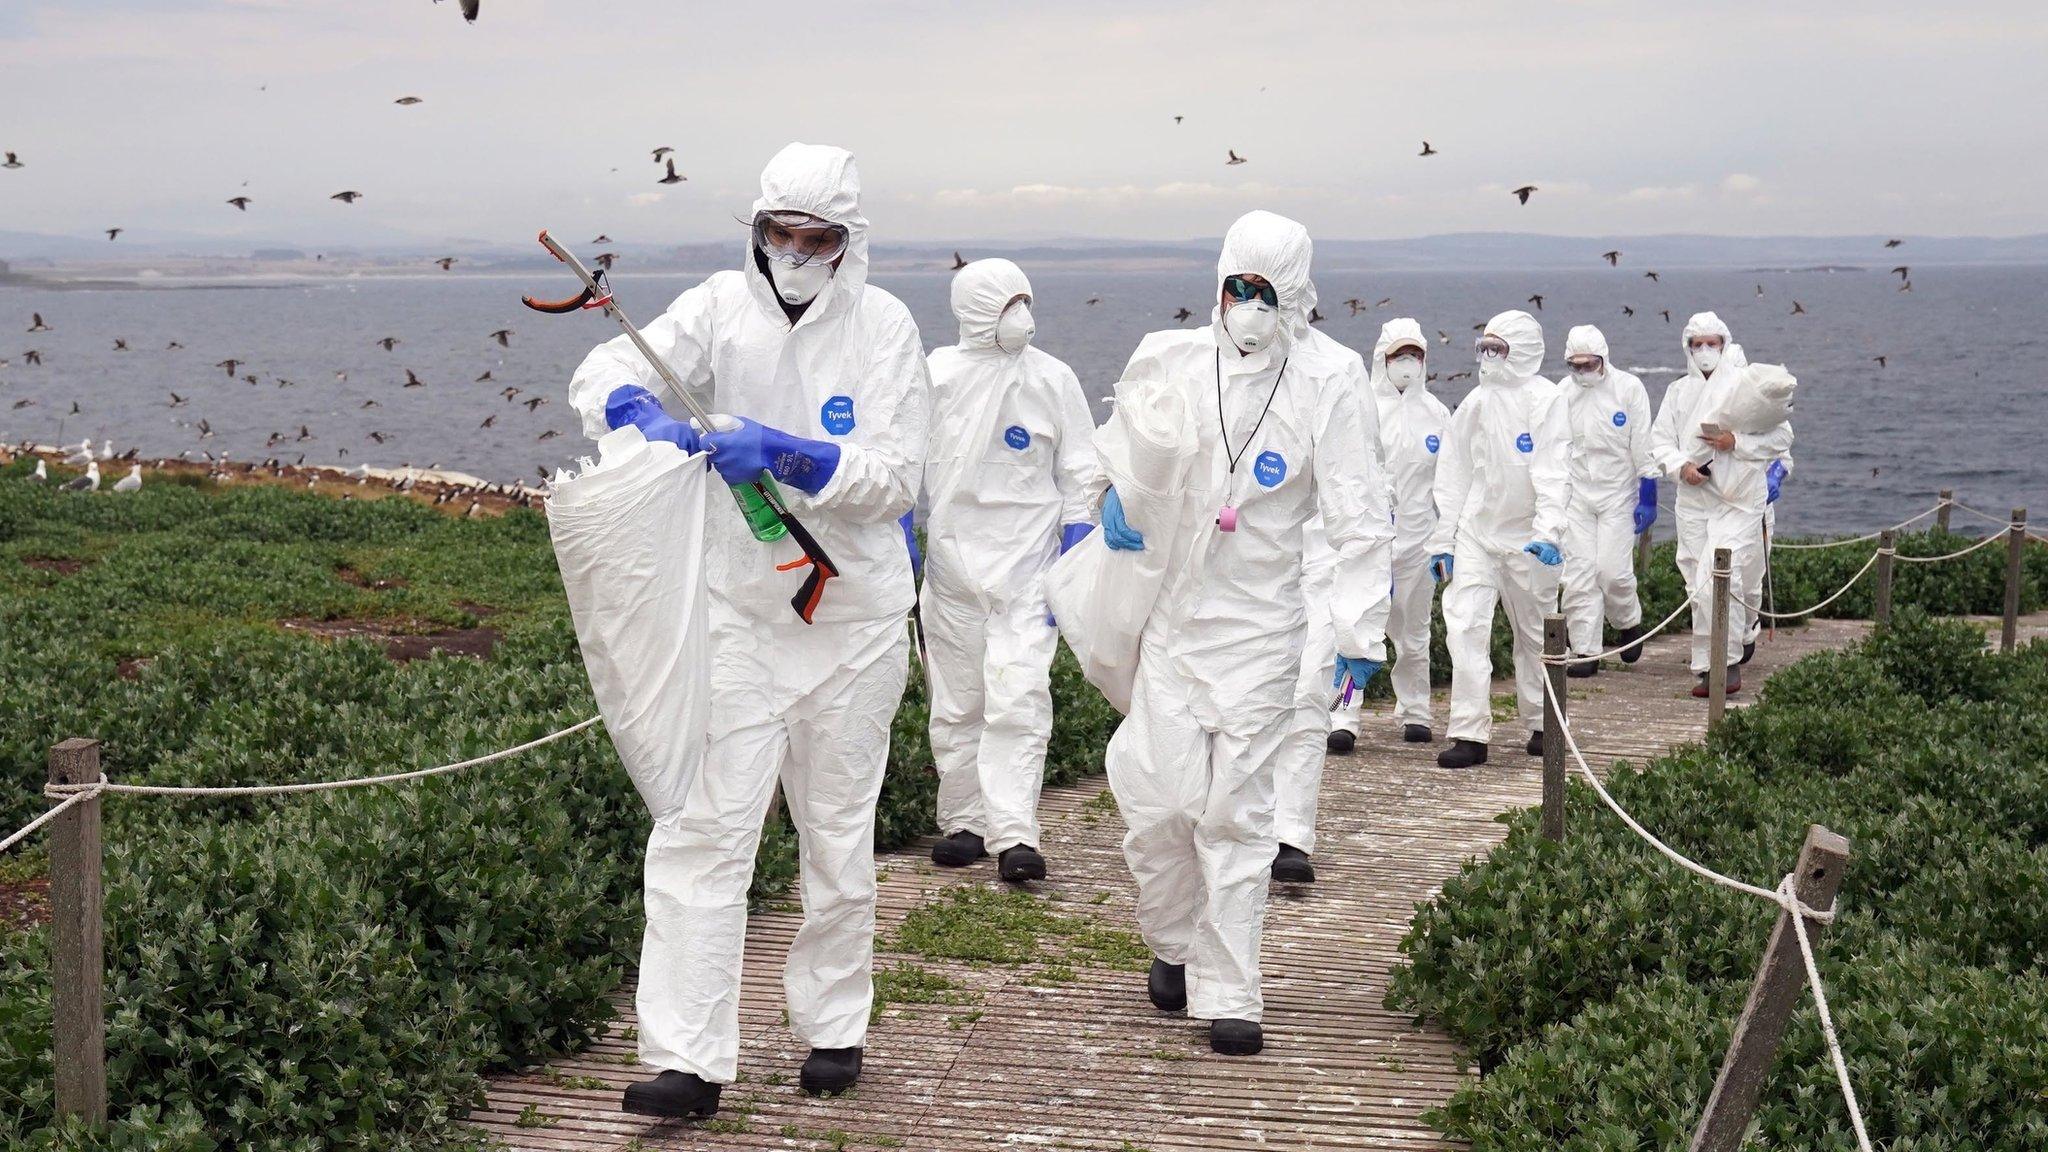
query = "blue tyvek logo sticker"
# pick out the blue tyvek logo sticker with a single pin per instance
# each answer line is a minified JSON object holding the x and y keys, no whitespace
{"x":1432,"y":442}
{"x":1525,"y":442}
{"x":1016,"y":437}
{"x":1270,"y":468}
{"x":837,"y":415}
{"x":1621,"y":419}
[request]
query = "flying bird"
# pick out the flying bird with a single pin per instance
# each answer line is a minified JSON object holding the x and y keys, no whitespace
{"x":1426,"y":149}
{"x":536,"y":402}
{"x":470,"y":9}
{"x":481,"y":379}
{"x":241,"y":203}
{"x":389,"y":342}
{"x":1759,"y":291}
{"x":1654,"y":276}
{"x":205,"y":429}
{"x":1315,"y":316}
{"x":659,"y":153}
{"x":1613,"y":258}
{"x":20,"y":404}
{"x":1903,"y":272}
{"x":602,"y":239}
{"x":1537,"y":300}
{"x":369,"y":404}
{"x":408,"y":101}
{"x":605,"y":259}
{"x":230,"y":365}
{"x":412,"y":381}
{"x":504,"y":338}
{"x":112,"y":233}
{"x":1523,"y":192}
{"x":120,"y":345}
{"x":1183,"y":314}
{"x":1234,"y":157}
{"x":1888,"y":243}
{"x":178,"y":401}
{"x":489,"y":420}
{"x":550,"y":434}
{"x":35,"y":323}
{"x":11,"y":162}
{"x":1666,"y":313}
{"x":173,"y":346}
{"x":31,"y":357}
{"x":446,"y":262}
{"x":379,"y":437}
{"x":1880,"y":360}
{"x":958,"y":263}
{"x":673,"y":177}
{"x":1443,"y":337}
{"x":346,"y":197}
{"x":1093,"y":300}
{"x":1798,"y":309}
{"x":1627,"y":311}
{"x":1176,"y":120}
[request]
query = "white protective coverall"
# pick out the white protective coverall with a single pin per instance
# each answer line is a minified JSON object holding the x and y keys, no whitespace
{"x":1610,"y":423}
{"x":1503,"y":481}
{"x":1192,"y":765}
{"x":1298,"y":770}
{"x":1728,"y":510}
{"x":811,"y":703}
{"x":1010,"y":460}
{"x":1413,"y":425}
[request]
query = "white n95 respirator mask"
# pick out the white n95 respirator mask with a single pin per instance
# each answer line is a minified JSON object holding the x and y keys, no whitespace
{"x":1015,"y":328}
{"x":798,"y":283}
{"x":1251,"y":324}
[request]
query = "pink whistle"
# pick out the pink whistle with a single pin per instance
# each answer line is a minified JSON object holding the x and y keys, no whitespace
{"x":1226,"y":519}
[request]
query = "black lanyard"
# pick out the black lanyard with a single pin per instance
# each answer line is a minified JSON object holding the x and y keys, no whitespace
{"x":1224,"y":431}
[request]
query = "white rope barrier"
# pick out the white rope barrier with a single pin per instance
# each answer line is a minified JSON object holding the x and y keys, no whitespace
{"x":74,"y":793}
{"x":1839,"y":593}
{"x":1637,"y":643}
{"x":1783,"y":896}
{"x":1998,"y":538}
{"x":1848,"y":540}
{"x":1988,"y":518}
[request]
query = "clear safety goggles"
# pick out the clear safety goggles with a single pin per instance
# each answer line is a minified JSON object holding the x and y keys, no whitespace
{"x":798,"y":238}
{"x":1242,"y":289}
{"x":1492,"y":346}
{"x":1584,"y":363}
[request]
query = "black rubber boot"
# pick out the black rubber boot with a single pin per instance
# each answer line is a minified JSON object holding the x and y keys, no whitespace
{"x":673,"y":1094}
{"x":1462,"y":754}
{"x":1291,"y":866}
{"x":1340,"y":741}
{"x":829,"y":1071}
{"x":1631,"y":643}
{"x":958,"y":850}
{"x":1416,"y":733}
{"x":1734,"y":679}
{"x":1749,"y":652}
{"x":1580,"y":669}
{"x":1236,"y":1037}
{"x":1535,"y":745}
{"x":1167,"y":985}
{"x":1020,"y":862}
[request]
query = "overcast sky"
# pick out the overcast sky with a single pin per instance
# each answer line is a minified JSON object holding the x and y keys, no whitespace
{"x":1010,"y":120}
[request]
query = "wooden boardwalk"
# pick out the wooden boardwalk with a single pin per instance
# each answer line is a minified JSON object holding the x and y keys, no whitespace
{"x":1028,"y":1058}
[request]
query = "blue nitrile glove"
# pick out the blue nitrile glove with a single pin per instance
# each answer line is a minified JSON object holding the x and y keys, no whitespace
{"x":742,"y":449}
{"x":1116,"y":533}
{"x":632,"y":404}
{"x":1072,"y":534}
{"x":1440,"y":566}
{"x":910,"y":544}
{"x":1360,"y":671}
{"x":1545,"y":551}
{"x":1773,"y":477}
{"x":1646,"y":504}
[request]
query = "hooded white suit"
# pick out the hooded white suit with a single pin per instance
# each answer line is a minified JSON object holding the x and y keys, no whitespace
{"x":1010,"y":460}
{"x":1728,"y":510}
{"x":1503,"y":481}
{"x":1610,"y":422}
{"x":1192,"y":764}
{"x":810,"y":702}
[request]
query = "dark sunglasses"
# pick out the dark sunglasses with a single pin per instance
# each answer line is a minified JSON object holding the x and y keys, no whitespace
{"x":1239,"y":288}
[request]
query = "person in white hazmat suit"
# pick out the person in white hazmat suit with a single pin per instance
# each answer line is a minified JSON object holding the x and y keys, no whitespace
{"x":1753,"y":589}
{"x":823,"y":376}
{"x":1614,"y":500}
{"x":1282,"y":434}
{"x":1409,"y":424}
{"x":1009,"y":476}
{"x":1503,"y":483}
{"x":1723,"y":490}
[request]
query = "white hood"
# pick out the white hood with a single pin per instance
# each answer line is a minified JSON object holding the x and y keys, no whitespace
{"x":1585,"y":340}
{"x":1525,"y":341}
{"x":825,"y":182}
{"x":980,"y":293}
{"x":1272,"y":246}
{"x":1705,"y":324}
{"x":1397,"y":333}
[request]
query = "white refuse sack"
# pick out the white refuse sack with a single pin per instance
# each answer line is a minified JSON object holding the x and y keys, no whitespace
{"x":629,"y":538}
{"x":1761,"y":400}
{"x":1102,"y":597}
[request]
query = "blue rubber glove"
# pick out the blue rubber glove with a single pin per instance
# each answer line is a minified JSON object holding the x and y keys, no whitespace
{"x":1116,"y":533}
{"x":632,"y":404}
{"x":910,"y":545}
{"x":1545,"y":551}
{"x":1773,"y":477}
{"x":1440,"y":566}
{"x":1072,"y":534}
{"x":1360,"y":671}
{"x":1646,"y":504}
{"x":742,"y":453}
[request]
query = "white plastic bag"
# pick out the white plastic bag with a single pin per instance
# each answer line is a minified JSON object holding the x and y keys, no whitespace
{"x":629,"y":538}
{"x":1761,"y":401}
{"x":1101,"y":597}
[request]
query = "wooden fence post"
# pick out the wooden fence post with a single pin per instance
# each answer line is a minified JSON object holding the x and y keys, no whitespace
{"x":1717,"y":644}
{"x":1779,"y":978}
{"x":78,"y":968}
{"x":2015,"y":567}
{"x":1887,"y":540}
{"x":1556,"y":646}
{"x":1948,"y":497}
